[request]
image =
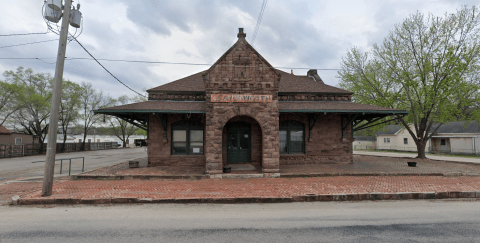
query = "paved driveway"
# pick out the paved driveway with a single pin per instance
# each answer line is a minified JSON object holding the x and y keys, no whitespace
{"x":22,"y":167}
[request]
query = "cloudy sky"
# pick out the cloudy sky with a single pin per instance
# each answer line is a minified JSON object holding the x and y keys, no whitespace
{"x":296,"y":34}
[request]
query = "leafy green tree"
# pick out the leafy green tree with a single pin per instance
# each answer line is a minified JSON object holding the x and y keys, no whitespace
{"x":35,"y":95}
{"x":9,"y":100}
{"x":427,"y":65}
{"x":70,"y":106}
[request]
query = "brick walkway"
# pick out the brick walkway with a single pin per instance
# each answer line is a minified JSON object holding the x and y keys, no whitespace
{"x":265,"y":187}
{"x":309,"y":183}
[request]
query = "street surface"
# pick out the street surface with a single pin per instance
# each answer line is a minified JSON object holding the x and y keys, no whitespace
{"x":385,"y":221}
{"x":13,"y":168}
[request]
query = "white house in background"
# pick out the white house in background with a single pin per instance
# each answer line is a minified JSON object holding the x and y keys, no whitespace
{"x":453,"y":137}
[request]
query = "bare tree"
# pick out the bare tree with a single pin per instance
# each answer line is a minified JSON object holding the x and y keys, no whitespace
{"x":91,"y":100}
{"x":69,"y":107}
{"x":120,"y":127}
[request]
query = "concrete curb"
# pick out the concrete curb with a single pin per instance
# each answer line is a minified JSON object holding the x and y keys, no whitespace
{"x":374,"y":196}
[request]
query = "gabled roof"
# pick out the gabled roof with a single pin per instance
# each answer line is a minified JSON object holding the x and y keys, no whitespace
{"x":241,"y":40}
{"x":389,"y":130}
{"x":459,"y":127}
{"x":4,"y":130}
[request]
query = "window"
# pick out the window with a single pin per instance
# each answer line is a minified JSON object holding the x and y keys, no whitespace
{"x":291,"y":137}
{"x":89,"y":140}
{"x":79,"y":140}
{"x":386,"y":140}
{"x":18,"y":140}
{"x":443,"y":142}
{"x":187,"y":138}
{"x":405,"y":140}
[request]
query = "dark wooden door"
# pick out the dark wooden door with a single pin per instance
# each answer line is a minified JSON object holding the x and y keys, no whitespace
{"x":238,"y":143}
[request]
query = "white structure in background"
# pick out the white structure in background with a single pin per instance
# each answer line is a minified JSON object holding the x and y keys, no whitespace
{"x":364,"y":143}
{"x":99,"y":139}
{"x":453,"y":137}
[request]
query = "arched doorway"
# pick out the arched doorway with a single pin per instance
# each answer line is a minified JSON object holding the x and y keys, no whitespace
{"x":242,"y":142}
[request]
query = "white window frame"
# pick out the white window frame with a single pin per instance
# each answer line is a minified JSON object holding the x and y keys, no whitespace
{"x":20,"y":140}
{"x":386,"y":140}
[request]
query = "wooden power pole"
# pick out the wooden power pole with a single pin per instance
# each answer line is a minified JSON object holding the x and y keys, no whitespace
{"x":57,"y":91}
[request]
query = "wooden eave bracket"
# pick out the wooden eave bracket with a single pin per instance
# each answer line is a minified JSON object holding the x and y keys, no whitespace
{"x":163,"y":120}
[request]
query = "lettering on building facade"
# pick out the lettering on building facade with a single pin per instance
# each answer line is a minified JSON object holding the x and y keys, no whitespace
{"x":240,"y":98}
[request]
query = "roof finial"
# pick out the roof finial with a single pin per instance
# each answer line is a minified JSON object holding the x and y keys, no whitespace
{"x":240,"y":33}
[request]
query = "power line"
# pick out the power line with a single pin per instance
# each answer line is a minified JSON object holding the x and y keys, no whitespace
{"x":173,"y":63}
{"x":25,"y":34}
{"x":259,"y":20}
{"x":29,"y":43}
{"x":106,"y":68}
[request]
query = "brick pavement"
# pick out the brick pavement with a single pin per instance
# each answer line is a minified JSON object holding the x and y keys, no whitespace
{"x":255,"y":188}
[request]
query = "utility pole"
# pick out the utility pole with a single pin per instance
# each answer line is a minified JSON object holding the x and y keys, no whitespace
{"x":57,"y":91}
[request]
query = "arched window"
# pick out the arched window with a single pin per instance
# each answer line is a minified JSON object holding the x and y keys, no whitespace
{"x":187,"y":138}
{"x":292,"y":139}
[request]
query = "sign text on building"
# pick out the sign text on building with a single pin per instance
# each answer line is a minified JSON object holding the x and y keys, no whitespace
{"x":240,"y":98}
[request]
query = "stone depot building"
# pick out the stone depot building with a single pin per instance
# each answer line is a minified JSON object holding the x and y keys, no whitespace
{"x":242,"y":110}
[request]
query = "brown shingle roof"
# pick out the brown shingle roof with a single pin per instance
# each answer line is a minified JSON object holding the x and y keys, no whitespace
{"x":192,"y":83}
{"x":4,"y":130}
{"x":331,"y":106}
{"x":158,"y":106}
{"x":289,"y":83}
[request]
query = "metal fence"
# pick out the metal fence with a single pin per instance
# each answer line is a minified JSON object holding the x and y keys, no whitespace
{"x":414,"y":149}
{"x":11,"y":150}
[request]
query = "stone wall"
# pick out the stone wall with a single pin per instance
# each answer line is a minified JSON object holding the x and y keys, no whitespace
{"x":326,"y":145}
{"x":241,"y":70}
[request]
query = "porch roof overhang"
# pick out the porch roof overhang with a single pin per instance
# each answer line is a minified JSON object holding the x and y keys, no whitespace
{"x":137,"y":113}
{"x":359,"y":115}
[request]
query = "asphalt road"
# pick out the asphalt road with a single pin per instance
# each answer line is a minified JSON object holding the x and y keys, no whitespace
{"x":385,"y":221}
{"x":12,"y":168}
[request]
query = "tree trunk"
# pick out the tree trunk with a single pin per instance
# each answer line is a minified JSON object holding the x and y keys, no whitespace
{"x":83,"y":142}
{"x":421,"y":149}
{"x":63,"y":144}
